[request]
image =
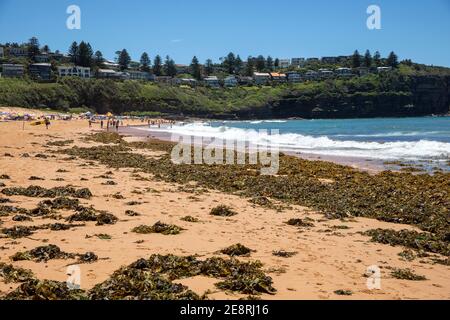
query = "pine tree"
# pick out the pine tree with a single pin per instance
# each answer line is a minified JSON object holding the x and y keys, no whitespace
{"x":99,"y":58}
{"x":145,"y":62}
{"x":33,"y":48}
{"x":229,"y":63}
{"x":356,"y":59}
{"x":73,"y":52}
{"x":46,"y":49}
{"x":209,"y":67}
{"x":368,"y":59}
{"x":276,"y":63}
{"x":85,"y":54}
{"x":269,"y":63}
{"x":195,"y":69}
{"x":157,"y":65}
{"x":250,"y":67}
{"x":260,"y":63}
{"x":238,"y":64}
{"x":392,"y":60}
{"x":377,"y":59}
{"x":124,"y":59}
{"x":169,"y":67}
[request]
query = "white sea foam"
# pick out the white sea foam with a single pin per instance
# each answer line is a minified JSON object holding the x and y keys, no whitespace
{"x":322,"y":145}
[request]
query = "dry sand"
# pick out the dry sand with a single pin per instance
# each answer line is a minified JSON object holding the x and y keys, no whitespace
{"x":326,"y":261}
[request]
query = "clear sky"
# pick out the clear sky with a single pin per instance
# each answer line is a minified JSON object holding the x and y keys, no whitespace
{"x":415,"y":29}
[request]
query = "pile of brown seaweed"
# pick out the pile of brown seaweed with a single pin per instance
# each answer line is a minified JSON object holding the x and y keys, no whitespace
{"x":223,"y":211}
{"x":237,"y":250}
{"x":59,"y":143}
{"x":152,"y":278}
{"x":190,"y":219}
{"x":9,"y":273}
{"x":159,"y":227}
{"x":284,"y":254}
{"x":399,"y":197}
{"x":421,"y":241}
{"x":40,"y":192}
{"x":50,"y":252}
{"x":300,"y":223}
{"x":406,"y":274}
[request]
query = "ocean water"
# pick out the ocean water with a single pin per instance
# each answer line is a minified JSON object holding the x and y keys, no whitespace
{"x":389,"y":139}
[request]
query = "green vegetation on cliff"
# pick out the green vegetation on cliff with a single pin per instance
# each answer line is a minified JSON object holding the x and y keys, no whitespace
{"x":373,"y":95}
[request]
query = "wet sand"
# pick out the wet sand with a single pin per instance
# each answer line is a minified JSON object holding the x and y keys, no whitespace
{"x":325,"y":261}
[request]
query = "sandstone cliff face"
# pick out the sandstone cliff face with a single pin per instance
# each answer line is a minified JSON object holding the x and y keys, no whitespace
{"x":427,"y":95}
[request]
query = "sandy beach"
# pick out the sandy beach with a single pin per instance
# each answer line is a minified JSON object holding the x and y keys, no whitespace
{"x":328,"y":257}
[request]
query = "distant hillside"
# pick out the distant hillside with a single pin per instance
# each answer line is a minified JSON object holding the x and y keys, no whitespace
{"x":392,"y":94}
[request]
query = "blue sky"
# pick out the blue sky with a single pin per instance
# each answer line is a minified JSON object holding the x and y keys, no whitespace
{"x":416,"y":29}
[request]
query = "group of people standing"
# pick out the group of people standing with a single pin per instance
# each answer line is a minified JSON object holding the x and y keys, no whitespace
{"x":110,"y":123}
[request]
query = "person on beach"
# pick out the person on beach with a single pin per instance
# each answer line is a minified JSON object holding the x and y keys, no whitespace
{"x":107,"y":125}
{"x":90,"y":123}
{"x":101,"y":124}
{"x":117,"y":125}
{"x":47,"y":123}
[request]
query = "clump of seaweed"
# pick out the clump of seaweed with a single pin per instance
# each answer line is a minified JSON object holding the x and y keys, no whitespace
{"x":133,"y":203}
{"x":300,"y":223}
{"x":34,"y":178}
{"x":412,"y":239}
{"x":9,"y":273}
{"x":407,"y":255}
{"x":21,"y":218}
{"x":342,"y":292}
{"x":105,"y":138}
{"x":237,"y":250}
{"x":5,"y":177}
{"x":406,"y":274}
{"x":190,"y":219}
{"x":90,"y":214}
{"x":103,"y":236}
{"x":284,"y":254}
{"x":46,"y":290}
{"x":132,"y":213}
{"x":40,"y":192}
{"x":59,"y":143}
{"x":42,"y":254}
{"x":109,"y":183}
{"x":18,"y":231}
{"x":60,"y":203}
{"x":158,"y":227}
{"x":106,"y":218}
{"x":7,"y":210}
{"x":88,"y":257}
{"x":223,"y":211}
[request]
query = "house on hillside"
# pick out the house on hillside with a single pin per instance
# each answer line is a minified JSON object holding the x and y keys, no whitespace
{"x":384,"y":69}
{"x":2,"y":52}
{"x":40,"y":71}
{"x":140,"y":75}
{"x":293,"y":77}
{"x":163,"y":79}
{"x":329,"y":60}
{"x":188,"y":82}
{"x":298,"y":62}
{"x":325,"y":73}
{"x":42,"y":58}
{"x":344,"y":72}
{"x":285,"y":63}
{"x":311,"y":75}
{"x":245,"y":81}
{"x":20,"y":52}
{"x":74,"y":71}
{"x":13,"y":70}
{"x":261,"y":78}
{"x":278,"y":77}
{"x":362,"y":71}
{"x":310,"y":60}
{"x":230,"y":81}
{"x":212,"y":82}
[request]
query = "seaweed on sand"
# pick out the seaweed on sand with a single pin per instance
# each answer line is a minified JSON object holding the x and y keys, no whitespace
{"x":42,"y":254}
{"x":342,"y":292}
{"x":21,"y":218}
{"x":88,"y":257}
{"x":59,"y":143}
{"x":300,"y":223}
{"x":4,"y":200}
{"x":60,"y":203}
{"x":284,"y":254}
{"x":9,"y":273}
{"x":132,"y":213}
{"x":106,"y":218}
{"x":406,"y":274}
{"x":5,"y":177}
{"x":40,"y":192}
{"x":223,"y":211}
{"x":46,"y":290}
{"x":237,"y":250}
{"x":190,"y":219}
{"x":411,"y":239}
{"x":158,"y":227}
{"x":19,"y":231}
{"x":420,"y":200}
{"x":7,"y":210}
{"x":90,"y":214}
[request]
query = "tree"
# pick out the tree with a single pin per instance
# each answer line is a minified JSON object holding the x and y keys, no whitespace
{"x":250,"y":67}
{"x":209,"y":67}
{"x":392,"y":60}
{"x":124,"y":59}
{"x":377,"y":59}
{"x":356,"y":59}
{"x":45,"y":49}
{"x":85,"y":54}
{"x":99,"y":58}
{"x":269,"y":63}
{"x":145,"y":62}
{"x":276,"y":63}
{"x":195,"y":69}
{"x":157,"y":65}
{"x":229,"y":63}
{"x":169,"y":67}
{"x":33,"y":47}
{"x":238,"y":64}
{"x":260,"y":63}
{"x":368,"y":59}
{"x":73,"y":52}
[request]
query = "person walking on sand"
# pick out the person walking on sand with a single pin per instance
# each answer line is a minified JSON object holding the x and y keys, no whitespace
{"x":117,"y":125}
{"x":90,"y":123}
{"x":107,"y":125}
{"x":101,"y":124}
{"x":47,"y":123}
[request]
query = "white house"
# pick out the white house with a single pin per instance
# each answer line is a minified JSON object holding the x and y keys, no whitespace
{"x":294,"y":77}
{"x":384,"y":69}
{"x":230,"y":81}
{"x":74,"y":71}
{"x":298,"y":62}
{"x":285,"y":63}
{"x":261,"y":78}
{"x":212,"y":81}
{"x":344,"y":72}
